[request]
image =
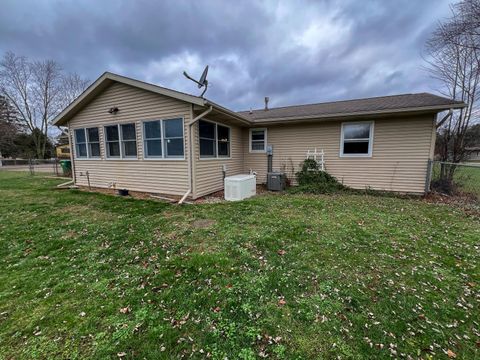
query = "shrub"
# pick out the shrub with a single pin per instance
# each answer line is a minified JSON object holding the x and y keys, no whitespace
{"x":312,"y":180}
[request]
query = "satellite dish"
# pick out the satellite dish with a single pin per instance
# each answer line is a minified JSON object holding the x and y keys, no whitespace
{"x":203,"y":82}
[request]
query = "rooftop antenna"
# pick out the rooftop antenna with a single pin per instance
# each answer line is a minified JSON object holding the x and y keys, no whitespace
{"x":203,"y":82}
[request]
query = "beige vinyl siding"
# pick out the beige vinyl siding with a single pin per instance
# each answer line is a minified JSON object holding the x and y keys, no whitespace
{"x":401,"y":148}
{"x":208,"y":172}
{"x":166,"y":176}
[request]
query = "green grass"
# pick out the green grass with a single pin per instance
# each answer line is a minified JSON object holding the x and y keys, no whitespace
{"x":86,"y":275}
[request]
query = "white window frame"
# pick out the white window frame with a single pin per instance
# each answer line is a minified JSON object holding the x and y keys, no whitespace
{"x":120,"y":141}
{"x":370,"y":139}
{"x":163,"y":139}
{"x":216,"y":157}
{"x":80,"y":143}
{"x":250,"y":140}
{"x":144,"y":142}
{"x":87,"y":144}
{"x":90,"y":156}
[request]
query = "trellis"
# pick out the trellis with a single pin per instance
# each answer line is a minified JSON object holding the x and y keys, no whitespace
{"x":318,"y":156}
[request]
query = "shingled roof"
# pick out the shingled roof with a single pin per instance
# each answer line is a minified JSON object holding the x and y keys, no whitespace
{"x":357,"y":107}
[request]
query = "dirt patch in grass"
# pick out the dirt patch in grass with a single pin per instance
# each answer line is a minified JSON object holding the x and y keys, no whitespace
{"x":203,"y":223}
{"x":85,"y":211}
{"x":133,"y":194}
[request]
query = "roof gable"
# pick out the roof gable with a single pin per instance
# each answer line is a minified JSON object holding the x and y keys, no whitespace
{"x":105,"y":81}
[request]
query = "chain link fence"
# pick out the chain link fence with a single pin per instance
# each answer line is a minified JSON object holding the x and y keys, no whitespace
{"x":454,"y":179}
{"x":33,"y":166}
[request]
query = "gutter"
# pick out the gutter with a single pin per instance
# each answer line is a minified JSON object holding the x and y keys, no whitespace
{"x":191,"y":151}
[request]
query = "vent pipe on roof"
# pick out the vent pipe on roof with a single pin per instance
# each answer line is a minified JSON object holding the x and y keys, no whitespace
{"x":266,"y":102}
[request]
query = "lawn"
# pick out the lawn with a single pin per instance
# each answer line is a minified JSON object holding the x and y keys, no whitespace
{"x":87,"y":275}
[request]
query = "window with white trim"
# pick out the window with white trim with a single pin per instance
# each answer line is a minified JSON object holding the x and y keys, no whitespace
{"x":80,"y":144}
{"x":121,"y":141}
{"x":129,"y":140}
{"x":214,"y":140}
{"x":152,"y":139}
{"x":223,"y":141}
{"x":163,"y":138}
{"x":87,"y":143}
{"x":112,"y":141}
{"x":173,"y":137}
{"x":93,"y":140}
{"x":356,"y":139}
{"x":258,"y":140}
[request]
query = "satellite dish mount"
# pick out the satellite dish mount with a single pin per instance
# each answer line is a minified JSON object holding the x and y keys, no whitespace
{"x":203,"y":82}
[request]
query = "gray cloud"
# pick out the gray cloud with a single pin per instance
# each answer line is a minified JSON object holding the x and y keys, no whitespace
{"x":295,"y":52}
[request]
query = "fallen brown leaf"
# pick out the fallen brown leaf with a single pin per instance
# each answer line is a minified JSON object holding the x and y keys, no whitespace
{"x":451,"y":354}
{"x":125,"y":310}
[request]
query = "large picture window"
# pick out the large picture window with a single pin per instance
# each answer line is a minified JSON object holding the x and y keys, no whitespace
{"x":357,"y":139}
{"x":258,"y":140}
{"x":121,"y":141}
{"x":214,"y":140}
{"x":87,"y":143}
{"x":163,"y":138}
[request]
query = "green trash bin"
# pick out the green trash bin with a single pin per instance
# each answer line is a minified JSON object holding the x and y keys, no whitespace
{"x":66,"y":167}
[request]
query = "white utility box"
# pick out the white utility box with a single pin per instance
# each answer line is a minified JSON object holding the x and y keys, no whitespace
{"x":239,"y":187}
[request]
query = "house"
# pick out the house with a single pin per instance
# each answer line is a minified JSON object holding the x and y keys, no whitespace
{"x":130,"y":134}
{"x":62,"y":151}
{"x":473,"y":154}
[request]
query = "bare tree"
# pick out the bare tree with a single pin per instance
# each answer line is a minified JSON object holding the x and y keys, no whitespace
{"x":38,"y":90}
{"x":454,"y":59}
{"x":72,"y":86}
{"x":465,"y":22}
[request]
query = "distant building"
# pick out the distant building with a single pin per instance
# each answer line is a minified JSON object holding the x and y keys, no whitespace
{"x":62,"y":149}
{"x":473,"y":154}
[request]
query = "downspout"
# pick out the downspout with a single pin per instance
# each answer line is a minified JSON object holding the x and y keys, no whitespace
{"x":71,"y":153}
{"x":191,"y":151}
{"x":445,"y":118}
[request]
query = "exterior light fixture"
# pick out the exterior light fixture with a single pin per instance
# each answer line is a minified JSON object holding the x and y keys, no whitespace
{"x":113,"y":110}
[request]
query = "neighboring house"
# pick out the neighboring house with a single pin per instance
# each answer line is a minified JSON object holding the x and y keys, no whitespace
{"x":148,"y":138}
{"x":62,"y":151}
{"x":473,"y":154}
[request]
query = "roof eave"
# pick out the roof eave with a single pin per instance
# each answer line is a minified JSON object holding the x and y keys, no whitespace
{"x":228,"y":112}
{"x":424,"y":109}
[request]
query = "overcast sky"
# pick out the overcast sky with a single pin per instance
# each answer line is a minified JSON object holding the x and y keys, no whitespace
{"x":295,"y":52}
